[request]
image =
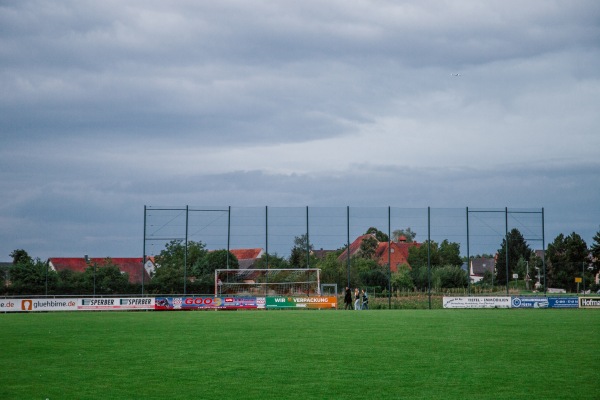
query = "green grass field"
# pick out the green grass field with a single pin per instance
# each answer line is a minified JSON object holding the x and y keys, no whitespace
{"x":398,"y":354}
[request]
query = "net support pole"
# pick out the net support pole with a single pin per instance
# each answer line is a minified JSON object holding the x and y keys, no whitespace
{"x":267,"y":234}
{"x":429,"y":253}
{"x":144,"y":250}
{"x":228,"y":233}
{"x":348,"y":242}
{"x":307,"y":242}
{"x":468,"y":258}
{"x":506,"y":252}
{"x":185,"y":254}
{"x":389,"y":258}
{"x":543,"y":251}
{"x":267,"y":243}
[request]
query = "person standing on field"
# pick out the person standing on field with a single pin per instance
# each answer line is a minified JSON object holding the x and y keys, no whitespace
{"x":357,"y":297}
{"x":365,"y":300}
{"x":348,"y":299}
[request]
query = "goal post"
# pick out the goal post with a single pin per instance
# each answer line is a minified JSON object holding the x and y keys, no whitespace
{"x":268,"y":282}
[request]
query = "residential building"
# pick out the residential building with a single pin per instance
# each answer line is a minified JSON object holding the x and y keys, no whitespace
{"x":131,"y":266}
{"x":479,"y":266}
{"x":397,"y":252}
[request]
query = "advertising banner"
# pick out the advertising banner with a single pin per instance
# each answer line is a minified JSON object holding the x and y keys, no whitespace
{"x":131,"y":303}
{"x":76,"y":304}
{"x":26,"y":305}
{"x":589,"y":302}
{"x":328,"y":302}
{"x":204,"y":303}
{"x":477,"y":302}
{"x":137,"y":303}
{"x":529,"y":302}
{"x":563,"y":302}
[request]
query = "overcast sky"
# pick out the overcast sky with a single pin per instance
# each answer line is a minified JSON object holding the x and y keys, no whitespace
{"x":107,"y":106}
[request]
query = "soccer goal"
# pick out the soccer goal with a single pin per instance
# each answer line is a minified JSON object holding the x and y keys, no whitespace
{"x":268,"y":282}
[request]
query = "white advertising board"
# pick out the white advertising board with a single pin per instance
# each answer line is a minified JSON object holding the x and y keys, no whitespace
{"x":26,"y":305}
{"x":75,"y":304}
{"x":589,"y":302}
{"x":116,"y":303}
{"x":477,"y":302}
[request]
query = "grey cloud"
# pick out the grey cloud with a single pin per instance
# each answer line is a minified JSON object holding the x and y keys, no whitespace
{"x":106,"y":104}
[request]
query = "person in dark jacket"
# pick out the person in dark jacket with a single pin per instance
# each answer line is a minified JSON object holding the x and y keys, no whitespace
{"x":348,"y":299}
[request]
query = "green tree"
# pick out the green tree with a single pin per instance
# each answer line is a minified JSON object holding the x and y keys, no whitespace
{"x":107,"y":278}
{"x":3,"y":275}
{"x":298,"y":255}
{"x":20,"y":256}
{"x":379,"y":235}
{"x":595,"y":252}
{"x":216,"y":260}
{"x":204,"y":270}
{"x":520,"y":268}
{"x":375,"y":278}
{"x":420,"y":276}
{"x":567,"y":256}
{"x":71,"y":282}
{"x":361,"y":271}
{"x":402,"y":279}
{"x":368,"y":247}
{"x":333,"y":270}
{"x":407,"y":233}
{"x":170,"y":266}
{"x":449,"y":276}
{"x":271,"y":261}
{"x":446,"y":253}
{"x":450,"y":253}
{"x":517,"y":249}
{"x":30,"y":276}
{"x":417,"y":256}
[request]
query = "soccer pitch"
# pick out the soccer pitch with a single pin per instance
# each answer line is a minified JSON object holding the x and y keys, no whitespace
{"x":379,"y":354}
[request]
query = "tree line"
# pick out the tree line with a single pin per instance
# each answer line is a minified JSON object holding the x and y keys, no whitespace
{"x":432,"y":265}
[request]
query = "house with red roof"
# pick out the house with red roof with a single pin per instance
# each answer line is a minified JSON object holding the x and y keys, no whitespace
{"x":247,"y":257}
{"x":395,"y":252}
{"x":131,"y":266}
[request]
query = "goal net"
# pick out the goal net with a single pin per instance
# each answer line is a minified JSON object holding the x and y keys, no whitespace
{"x":267,"y":282}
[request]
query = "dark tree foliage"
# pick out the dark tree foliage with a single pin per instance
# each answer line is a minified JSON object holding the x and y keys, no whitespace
{"x":379,"y":235}
{"x":450,"y":253}
{"x":72,"y":283}
{"x":368,"y":247}
{"x":333,"y":270}
{"x":567,"y":257}
{"x":595,"y":252}
{"x":361,"y":268}
{"x":204,"y":269}
{"x":20,"y":256}
{"x":31,"y":277}
{"x":169,"y":277}
{"x":517,"y":249}
{"x":449,"y":276}
{"x":298,"y":256}
{"x":446,"y":253}
{"x":106,"y":278}
{"x":420,"y":277}
{"x":271,"y":261}
{"x":376,"y":278}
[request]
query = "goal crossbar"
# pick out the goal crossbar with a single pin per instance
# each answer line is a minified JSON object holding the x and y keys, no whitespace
{"x":271,"y":281}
